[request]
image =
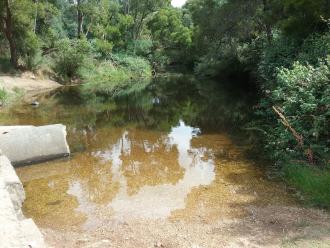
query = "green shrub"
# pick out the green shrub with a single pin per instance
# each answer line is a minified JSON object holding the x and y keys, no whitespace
{"x":315,"y":48}
{"x":281,"y":52}
{"x":102,"y":48}
{"x":70,"y":57}
{"x":303,"y":95}
{"x":138,"y":66}
{"x":122,"y":74}
{"x":140,"y":47}
{"x":30,"y":51}
{"x":284,"y":51}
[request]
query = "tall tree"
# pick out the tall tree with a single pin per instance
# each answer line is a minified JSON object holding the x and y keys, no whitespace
{"x":6,"y":25}
{"x":140,"y":10}
{"x":80,"y":18}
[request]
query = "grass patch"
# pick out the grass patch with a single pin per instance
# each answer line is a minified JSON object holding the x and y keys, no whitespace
{"x":314,"y":183}
{"x":9,"y":98}
{"x":3,"y":97}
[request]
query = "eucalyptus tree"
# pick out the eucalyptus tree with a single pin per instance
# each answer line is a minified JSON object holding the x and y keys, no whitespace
{"x":16,"y":25}
{"x":140,"y":10}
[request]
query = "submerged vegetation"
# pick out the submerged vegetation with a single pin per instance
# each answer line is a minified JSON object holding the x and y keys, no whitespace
{"x":279,"y":50}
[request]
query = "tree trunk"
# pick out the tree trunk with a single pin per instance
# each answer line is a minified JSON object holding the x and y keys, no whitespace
{"x":267,"y":25}
{"x":7,"y":29}
{"x":80,"y":18}
{"x":13,"y":52}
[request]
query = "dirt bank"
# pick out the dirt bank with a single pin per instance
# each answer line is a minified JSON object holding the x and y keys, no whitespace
{"x":268,"y":226}
{"x":27,"y":83}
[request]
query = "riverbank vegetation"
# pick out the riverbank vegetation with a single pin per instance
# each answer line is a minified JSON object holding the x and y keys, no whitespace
{"x":282,"y":48}
{"x":278,"y":49}
{"x":109,"y":45}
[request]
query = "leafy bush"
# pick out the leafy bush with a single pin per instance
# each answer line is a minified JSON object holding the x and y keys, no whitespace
{"x":303,"y":95}
{"x":121,"y":74}
{"x":280,"y":53}
{"x":102,"y":48}
{"x":138,"y":66}
{"x":140,"y":47}
{"x":295,"y":77}
{"x":315,"y":48}
{"x":284,"y":51}
{"x":30,"y":51}
{"x":70,"y":57}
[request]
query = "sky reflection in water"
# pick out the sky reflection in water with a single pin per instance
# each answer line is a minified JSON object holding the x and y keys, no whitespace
{"x":150,"y":201}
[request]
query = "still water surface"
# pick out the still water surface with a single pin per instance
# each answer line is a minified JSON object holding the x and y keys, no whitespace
{"x":167,"y":152}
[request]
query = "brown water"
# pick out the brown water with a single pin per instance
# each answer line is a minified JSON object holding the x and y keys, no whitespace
{"x":165,"y":153}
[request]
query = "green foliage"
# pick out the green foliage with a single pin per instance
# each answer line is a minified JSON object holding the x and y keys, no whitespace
{"x":281,"y":52}
{"x":284,"y":47}
{"x":16,"y":18}
{"x":170,"y":35}
{"x":70,"y":57}
{"x":140,"y":47}
{"x":303,"y":94}
{"x":302,"y":17}
{"x":315,"y":48}
{"x":120,"y":75}
{"x":167,"y":28}
{"x":3,"y":97}
{"x":102,"y":48}
{"x":30,"y":52}
{"x":5,"y":65}
{"x":140,"y":10}
{"x":9,"y":98}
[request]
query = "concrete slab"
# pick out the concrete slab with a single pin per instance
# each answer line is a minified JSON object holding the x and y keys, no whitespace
{"x":15,"y":230}
{"x":31,"y":144}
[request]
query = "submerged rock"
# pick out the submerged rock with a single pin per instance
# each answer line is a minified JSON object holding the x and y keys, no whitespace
{"x":30,"y":144}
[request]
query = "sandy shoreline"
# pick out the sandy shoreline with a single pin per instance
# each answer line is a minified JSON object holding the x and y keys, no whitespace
{"x":28,"y":84}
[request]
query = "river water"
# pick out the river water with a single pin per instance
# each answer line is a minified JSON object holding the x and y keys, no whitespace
{"x":173,"y":151}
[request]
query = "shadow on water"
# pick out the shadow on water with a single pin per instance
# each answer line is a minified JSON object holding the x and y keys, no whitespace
{"x":208,"y":105}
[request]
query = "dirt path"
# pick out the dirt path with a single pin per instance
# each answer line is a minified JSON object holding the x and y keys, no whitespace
{"x":28,"y":83}
{"x":270,"y":226}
